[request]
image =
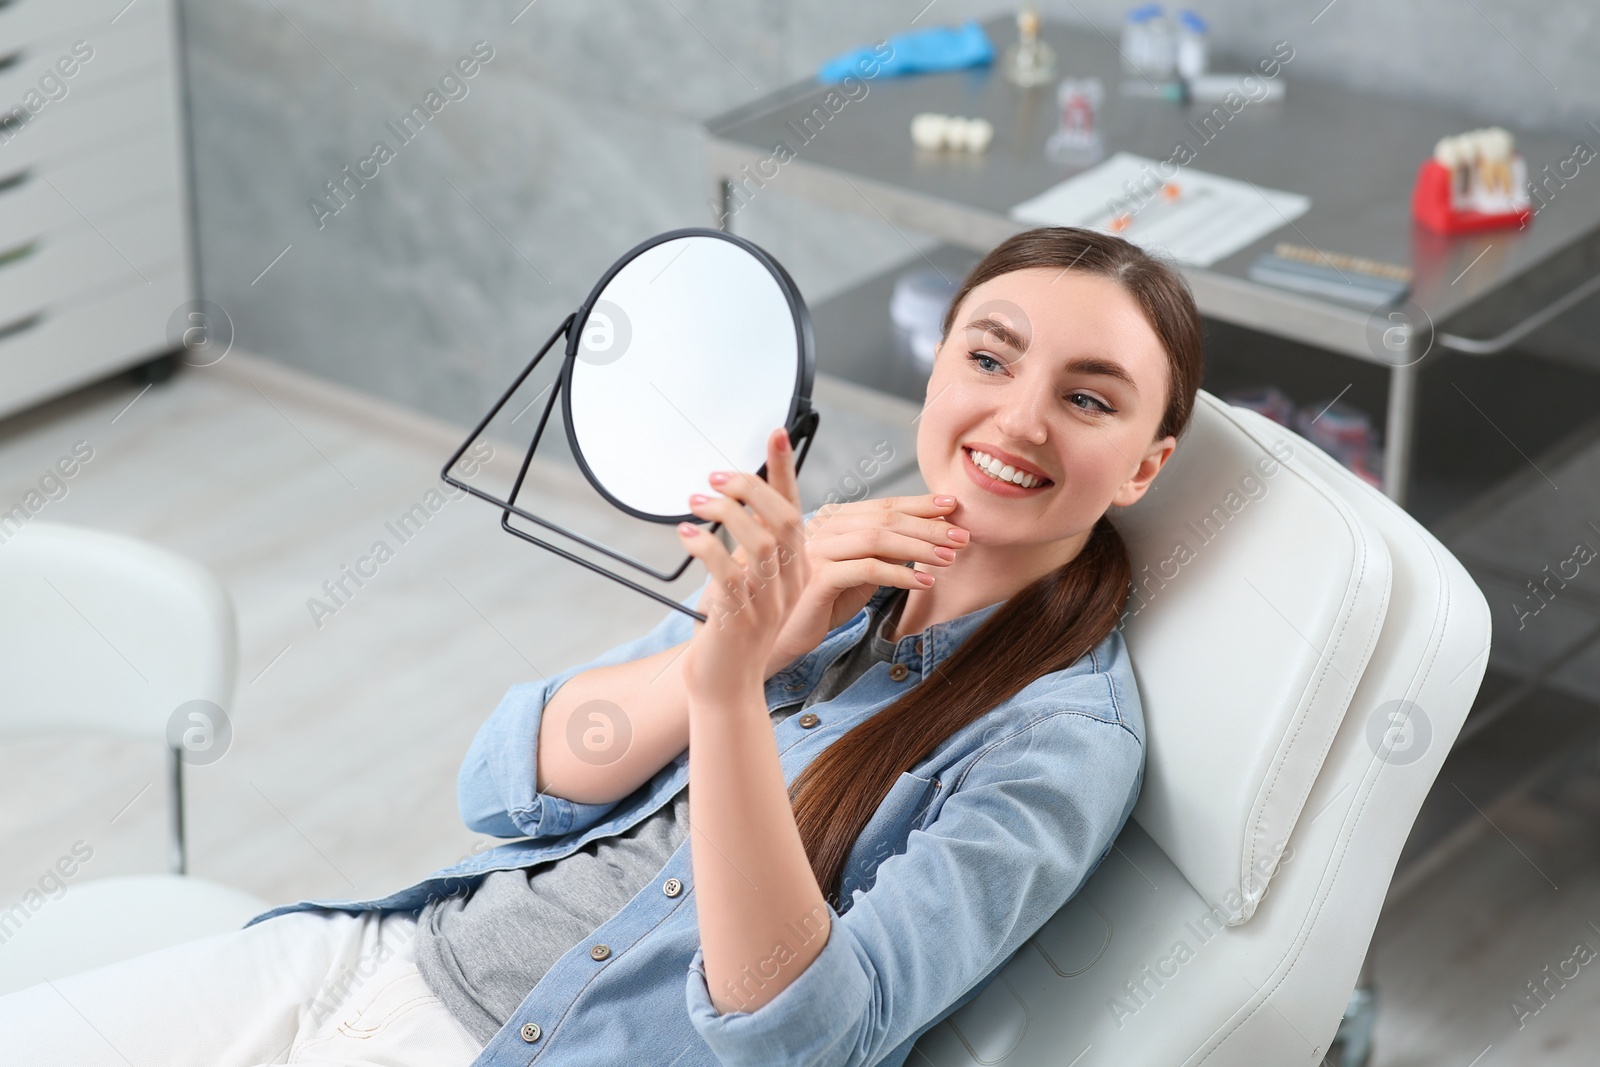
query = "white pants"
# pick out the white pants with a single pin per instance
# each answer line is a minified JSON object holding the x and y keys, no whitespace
{"x":309,"y":987}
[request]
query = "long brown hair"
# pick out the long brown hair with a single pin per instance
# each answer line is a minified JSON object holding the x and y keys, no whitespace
{"x":1045,"y":627}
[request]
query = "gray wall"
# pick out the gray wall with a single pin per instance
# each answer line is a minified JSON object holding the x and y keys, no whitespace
{"x":440,"y":276}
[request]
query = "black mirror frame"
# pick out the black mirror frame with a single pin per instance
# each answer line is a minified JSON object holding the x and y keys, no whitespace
{"x":802,"y":420}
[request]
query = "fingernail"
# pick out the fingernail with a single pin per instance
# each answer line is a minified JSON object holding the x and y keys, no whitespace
{"x":925,"y":579}
{"x":783,"y":440}
{"x":688,"y":529}
{"x":945,"y":553}
{"x":698,"y":498}
{"x":718,"y":477}
{"x":958,"y":535}
{"x":944,"y":501}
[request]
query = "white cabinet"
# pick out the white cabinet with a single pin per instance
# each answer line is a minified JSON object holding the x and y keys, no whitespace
{"x":95,"y":244}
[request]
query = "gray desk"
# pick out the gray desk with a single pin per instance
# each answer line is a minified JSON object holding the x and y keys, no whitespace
{"x":1355,"y":155}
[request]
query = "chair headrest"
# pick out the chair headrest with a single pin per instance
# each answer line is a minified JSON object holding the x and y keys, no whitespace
{"x":1258,"y":597}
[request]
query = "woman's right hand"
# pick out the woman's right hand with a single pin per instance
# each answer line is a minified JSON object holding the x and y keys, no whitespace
{"x":854,"y":547}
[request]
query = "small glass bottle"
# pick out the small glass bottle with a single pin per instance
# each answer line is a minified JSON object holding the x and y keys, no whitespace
{"x":1159,"y":46}
{"x":1191,"y":58}
{"x":1135,"y":35}
{"x":1030,"y":61}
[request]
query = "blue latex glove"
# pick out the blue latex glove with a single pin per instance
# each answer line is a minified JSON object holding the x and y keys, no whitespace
{"x":933,"y":48}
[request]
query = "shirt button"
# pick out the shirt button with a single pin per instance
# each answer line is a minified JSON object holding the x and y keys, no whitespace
{"x":530,"y":1033}
{"x":672,"y":887}
{"x":899,"y":671}
{"x":919,"y":646}
{"x":808,"y":720}
{"x":600,"y":952}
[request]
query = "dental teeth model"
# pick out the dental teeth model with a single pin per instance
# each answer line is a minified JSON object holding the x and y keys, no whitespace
{"x":1473,"y":181}
{"x":1486,"y":173}
{"x":933,"y":132}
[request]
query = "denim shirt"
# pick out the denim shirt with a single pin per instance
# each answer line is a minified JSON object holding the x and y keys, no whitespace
{"x":967,"y":856}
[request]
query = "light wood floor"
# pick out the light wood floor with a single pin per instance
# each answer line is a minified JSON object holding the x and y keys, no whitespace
{"x":341,"y":777}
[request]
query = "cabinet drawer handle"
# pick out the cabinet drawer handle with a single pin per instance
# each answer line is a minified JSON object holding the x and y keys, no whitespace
{"x":11,"y":255}
{"x":11,"y":329}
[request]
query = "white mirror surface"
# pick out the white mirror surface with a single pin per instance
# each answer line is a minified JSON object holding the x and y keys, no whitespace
{"x":687,"y":361}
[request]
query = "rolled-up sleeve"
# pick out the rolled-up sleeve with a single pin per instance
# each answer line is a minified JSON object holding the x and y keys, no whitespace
{"x":1018,"y":837}
{"x":496,"y":788}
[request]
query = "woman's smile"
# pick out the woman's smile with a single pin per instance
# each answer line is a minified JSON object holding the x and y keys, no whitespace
{"x":997,"y":486}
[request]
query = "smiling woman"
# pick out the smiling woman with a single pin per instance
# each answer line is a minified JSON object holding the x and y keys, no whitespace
{"x":1069,"y":355}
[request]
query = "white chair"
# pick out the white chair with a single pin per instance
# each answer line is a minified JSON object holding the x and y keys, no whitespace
{"x":1305,"y":661}
{"x":101,"y":633}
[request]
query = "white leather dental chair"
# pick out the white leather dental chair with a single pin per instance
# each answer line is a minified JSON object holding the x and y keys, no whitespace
{"x":1306,"y":654}
{"x":101,"y":633}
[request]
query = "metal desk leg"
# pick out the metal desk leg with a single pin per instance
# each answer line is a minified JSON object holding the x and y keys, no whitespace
{"x":723,"y":203}
{"x":177,"y":851}
{"x":1399,"y":428}
{"x":1352,"y":1045}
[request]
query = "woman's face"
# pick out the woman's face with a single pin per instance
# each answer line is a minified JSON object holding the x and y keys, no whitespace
{"x":1062,"y":371}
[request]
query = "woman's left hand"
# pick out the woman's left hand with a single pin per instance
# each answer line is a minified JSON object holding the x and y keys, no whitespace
{"x":752,"y":591}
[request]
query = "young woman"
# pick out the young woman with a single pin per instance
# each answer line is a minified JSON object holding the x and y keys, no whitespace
{"x":915,"y":734}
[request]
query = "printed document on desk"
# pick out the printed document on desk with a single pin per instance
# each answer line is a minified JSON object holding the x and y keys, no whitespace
{"x":1195,"y":217}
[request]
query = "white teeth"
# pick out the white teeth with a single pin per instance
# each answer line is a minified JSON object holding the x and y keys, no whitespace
{"x":1003,"y":471}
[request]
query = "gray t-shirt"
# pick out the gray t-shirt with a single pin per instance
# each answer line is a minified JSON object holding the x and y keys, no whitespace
{"x":480,"y":953}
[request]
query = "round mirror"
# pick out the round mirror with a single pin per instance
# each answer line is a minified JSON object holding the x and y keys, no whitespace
{"x":687,"y":354}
